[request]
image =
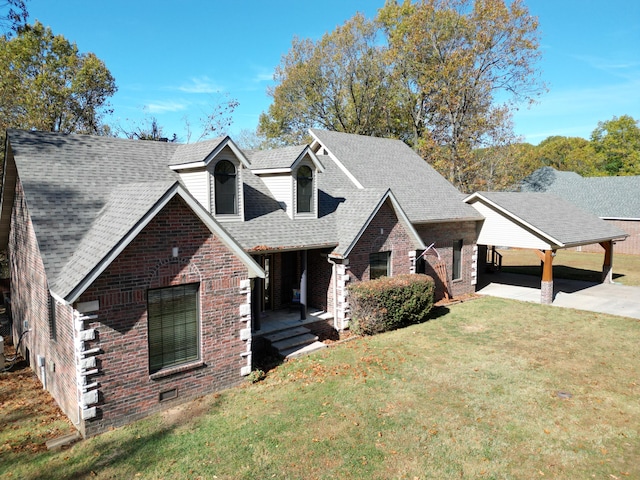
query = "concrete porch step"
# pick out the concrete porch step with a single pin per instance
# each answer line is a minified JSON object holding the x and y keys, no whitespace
{"x":300,"y":351}
{"x":286,"y":333}
{"x":294,"y":341}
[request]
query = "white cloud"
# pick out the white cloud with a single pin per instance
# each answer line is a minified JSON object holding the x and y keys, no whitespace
{"x":165,"y":106}
{"x":200,"y":85}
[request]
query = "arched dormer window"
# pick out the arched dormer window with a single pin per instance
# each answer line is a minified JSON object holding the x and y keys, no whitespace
{"x":304,"y":195}
{"x":225,"y":188}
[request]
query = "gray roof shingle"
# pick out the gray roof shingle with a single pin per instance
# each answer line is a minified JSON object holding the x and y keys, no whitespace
{"x":85,"y":193}
{"x":425,"y":195}
{"x":555,"y":216}
{"x":69,"y":179}
{"x":276,"y":158}
{"x":194,"y":152}
{"x":606,"y":197}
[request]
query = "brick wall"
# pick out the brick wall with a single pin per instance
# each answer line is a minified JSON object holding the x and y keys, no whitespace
{"x":443,"y":235}
{"x":631,"y":246}
{"x":30,"y":302}
{"x":127,"y":392}
{"x":319,"y":287}
{"x":383,"y":234}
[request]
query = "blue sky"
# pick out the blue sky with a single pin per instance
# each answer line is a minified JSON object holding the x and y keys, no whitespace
{"x":172,"y":60}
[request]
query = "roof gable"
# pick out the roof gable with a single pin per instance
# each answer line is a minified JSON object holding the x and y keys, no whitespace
{"x":198,"y":155}
{"x":371,"y":162}
{"x":554,"y":222}
{"x":355,"y":217}
{"x":88,"y":197}
{"x":281,"y":160}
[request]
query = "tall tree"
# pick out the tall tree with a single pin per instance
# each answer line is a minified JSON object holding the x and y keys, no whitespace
{"x":442,"y":75}
{"x":338,"y":83}
{"x":468,"y":63}
{"x":617,"y":144}
{"x":574,"y":154}
{"x":48,"y":85}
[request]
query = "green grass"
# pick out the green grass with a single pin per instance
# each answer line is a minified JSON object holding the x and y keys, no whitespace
{"x":473,"y":393}
{"x":574,"y":265}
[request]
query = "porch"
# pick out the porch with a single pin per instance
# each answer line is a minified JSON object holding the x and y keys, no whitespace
{"x":276,"y":320}
{"x":287,"y":334}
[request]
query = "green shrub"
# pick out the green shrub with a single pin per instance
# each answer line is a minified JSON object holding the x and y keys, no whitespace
{"x":388,"y":303}
{"x":256,"y":376}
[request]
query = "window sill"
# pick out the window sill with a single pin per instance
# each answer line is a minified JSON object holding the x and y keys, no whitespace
{"x":228,"y":218}
{"x":166,"y":372}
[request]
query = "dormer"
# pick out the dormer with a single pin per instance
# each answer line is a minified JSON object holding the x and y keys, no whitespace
{"x":212,"y":172}
{"x":291,"y":175}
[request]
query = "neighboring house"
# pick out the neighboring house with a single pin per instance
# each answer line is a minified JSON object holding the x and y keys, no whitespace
{"x":141,"y":271}
{"x":614,"y":199}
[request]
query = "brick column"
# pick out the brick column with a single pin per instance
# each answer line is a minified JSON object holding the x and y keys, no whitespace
{"x":546,"y":286}
{"x":343,"y":312}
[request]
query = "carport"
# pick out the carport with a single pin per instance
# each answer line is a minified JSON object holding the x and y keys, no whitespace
{"x":543,"y":223}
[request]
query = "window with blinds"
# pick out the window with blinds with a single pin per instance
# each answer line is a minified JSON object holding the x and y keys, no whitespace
{"x":379,"y":264}
{"x":173,"y":326}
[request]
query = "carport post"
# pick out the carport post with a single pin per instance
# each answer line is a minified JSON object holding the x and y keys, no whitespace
{"x":607,"y":266}
{"x":546,"y":286}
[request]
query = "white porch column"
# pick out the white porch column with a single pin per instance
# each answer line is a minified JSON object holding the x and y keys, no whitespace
{"x":303,"y":285}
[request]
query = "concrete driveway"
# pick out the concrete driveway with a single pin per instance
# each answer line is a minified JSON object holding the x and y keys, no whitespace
{"x":611,"y":298}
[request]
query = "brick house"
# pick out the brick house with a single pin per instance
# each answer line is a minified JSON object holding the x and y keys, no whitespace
{"x":143,"y":273}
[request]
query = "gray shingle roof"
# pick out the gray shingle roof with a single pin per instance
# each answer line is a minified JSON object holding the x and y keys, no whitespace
{"x":424,"y":194}
{"x":555,"y":216}
{"x":85,"y":194}
{"x":68,"y":182}
{"x":194,"y":152}
{"x":268,"y":227}
{"x":126,"y":207}
{"x":353,"y":215}
{"x":276,"y":158}
{"x":606,"y":197}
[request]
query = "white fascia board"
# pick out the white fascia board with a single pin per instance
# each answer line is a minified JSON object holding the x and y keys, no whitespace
{"x":340,"y":165}
{"x":207,"y":160}
{"x":254,"y":269}
{"x":59,"y":299}
{"x":401,"y":216}
{"x":307,"y":151}
{"x":267,"y":171}
{"x":188,"y":166}
{"x":234,"y":148}
{"x":591,"y":242}
{"x":548,"y":238}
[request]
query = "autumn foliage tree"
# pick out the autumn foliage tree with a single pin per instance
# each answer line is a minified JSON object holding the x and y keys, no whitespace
{"x":442,"y":75}
{"x":47,"y":84}
{"x":338,"y":83}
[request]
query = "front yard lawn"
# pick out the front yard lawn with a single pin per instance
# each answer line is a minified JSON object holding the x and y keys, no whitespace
{"x":489,"y":388}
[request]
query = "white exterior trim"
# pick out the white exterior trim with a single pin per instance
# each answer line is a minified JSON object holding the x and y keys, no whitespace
{"x":402,"y":217}
{"x":340,"y":165}
{"x":544,"y":237}
{"x":254,"y":270}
